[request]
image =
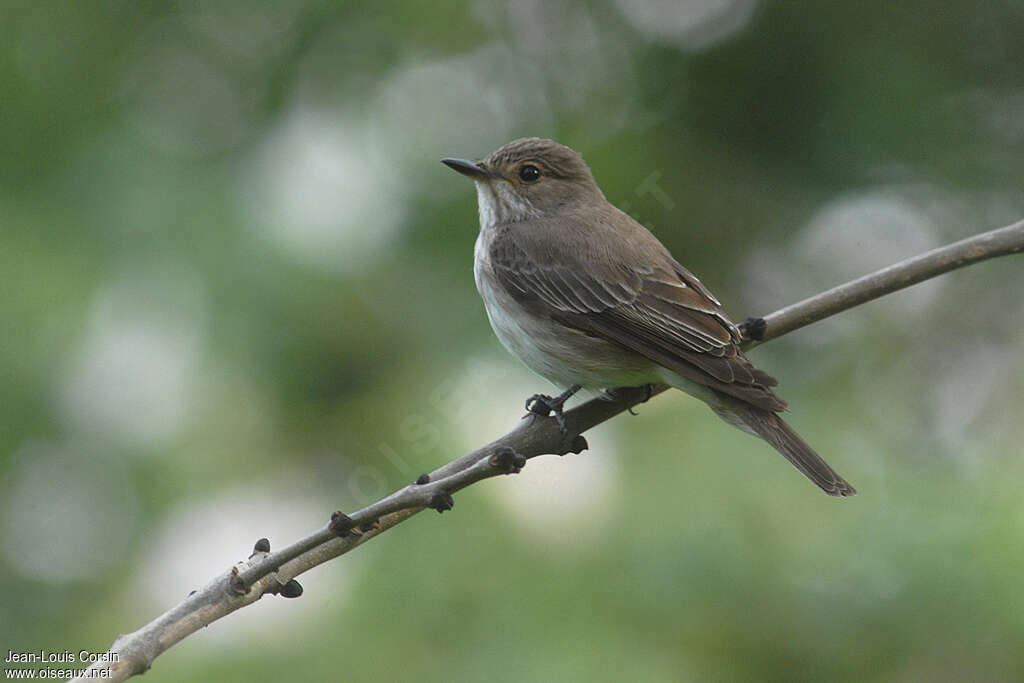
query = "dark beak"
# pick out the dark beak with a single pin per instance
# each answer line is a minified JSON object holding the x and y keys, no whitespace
{"x":467,"y":168}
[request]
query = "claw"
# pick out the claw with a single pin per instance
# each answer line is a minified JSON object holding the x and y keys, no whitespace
{"x":540,"y":404}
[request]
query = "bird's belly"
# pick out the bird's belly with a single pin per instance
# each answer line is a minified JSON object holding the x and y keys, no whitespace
{"x":562,"y":355}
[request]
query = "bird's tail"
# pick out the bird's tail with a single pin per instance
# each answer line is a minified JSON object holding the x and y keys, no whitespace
{"x":773,"y":429}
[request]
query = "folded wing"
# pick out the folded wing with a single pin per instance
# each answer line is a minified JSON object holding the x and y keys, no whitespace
{"x":647,"y":302}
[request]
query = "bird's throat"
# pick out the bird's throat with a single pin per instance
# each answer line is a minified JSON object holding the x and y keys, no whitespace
{"x":499,"y":203}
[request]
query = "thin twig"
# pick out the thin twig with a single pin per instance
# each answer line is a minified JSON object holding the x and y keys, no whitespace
{"x":267,"y":572}
{"x":999,"y":242}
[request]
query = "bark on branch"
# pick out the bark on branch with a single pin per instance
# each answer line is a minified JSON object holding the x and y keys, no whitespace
{"x":274,"y":572}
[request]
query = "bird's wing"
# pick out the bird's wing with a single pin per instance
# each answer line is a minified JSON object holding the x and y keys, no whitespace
{"x":626,"y":288}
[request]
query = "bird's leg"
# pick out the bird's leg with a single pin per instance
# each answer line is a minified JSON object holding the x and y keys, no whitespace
{"x":615,"y":393}
{"x":648,"y":392}
{"x":541,"y":404}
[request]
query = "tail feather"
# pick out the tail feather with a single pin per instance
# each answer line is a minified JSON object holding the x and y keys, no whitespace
{"x":773,"y":429}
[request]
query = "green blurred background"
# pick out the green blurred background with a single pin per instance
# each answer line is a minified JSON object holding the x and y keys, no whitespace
{"x":237,"y":295}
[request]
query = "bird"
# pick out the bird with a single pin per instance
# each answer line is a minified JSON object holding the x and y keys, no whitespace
{"x":588,"y":298}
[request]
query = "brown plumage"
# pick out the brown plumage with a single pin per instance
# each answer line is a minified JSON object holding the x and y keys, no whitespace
{"x":586,"y":296}
{"x":657,"y":308}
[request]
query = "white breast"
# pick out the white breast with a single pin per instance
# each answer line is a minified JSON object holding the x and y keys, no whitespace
{"x":562,"y":355}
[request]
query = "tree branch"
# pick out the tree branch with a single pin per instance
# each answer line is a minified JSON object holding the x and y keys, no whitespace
{"x":274,"y":572}
{"x":999,"y":242}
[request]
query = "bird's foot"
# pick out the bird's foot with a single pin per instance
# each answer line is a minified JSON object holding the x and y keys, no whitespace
{"x":615,"y":393}
{"x":648,"y":392}
{"x":544,"y":405}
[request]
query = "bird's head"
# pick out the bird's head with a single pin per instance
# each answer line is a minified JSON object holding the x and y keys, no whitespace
{"x":529,"y":178}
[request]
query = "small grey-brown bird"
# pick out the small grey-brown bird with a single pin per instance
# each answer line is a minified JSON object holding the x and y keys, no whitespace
{"x":588,"y":298}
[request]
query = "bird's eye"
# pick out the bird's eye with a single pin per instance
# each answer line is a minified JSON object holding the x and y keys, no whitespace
{"x":529,"y":173}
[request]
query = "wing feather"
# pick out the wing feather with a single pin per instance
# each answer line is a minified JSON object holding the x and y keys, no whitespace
{"x":657,"y":309}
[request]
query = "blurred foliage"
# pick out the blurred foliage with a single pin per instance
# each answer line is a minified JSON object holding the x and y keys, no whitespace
{"x":238,"y":296}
